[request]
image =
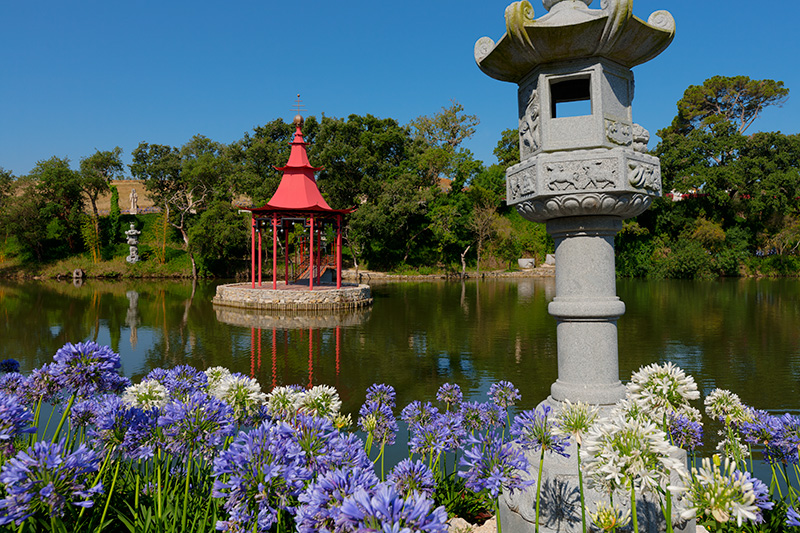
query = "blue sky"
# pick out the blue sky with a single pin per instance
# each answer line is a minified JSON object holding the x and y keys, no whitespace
{"x":85,"y":75}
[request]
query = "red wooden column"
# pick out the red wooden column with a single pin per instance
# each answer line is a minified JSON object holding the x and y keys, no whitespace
{"x":253,"y":252}
{"x":274,"y":252}
{"x":260,"y":261}
{"x":339,"y":252}
{"x":286,"y":257}
{"x":311,"y":256}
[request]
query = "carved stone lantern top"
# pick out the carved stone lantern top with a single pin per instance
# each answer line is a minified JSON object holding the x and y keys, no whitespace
{"x":572,"y":31}
{"x":580,"y":151}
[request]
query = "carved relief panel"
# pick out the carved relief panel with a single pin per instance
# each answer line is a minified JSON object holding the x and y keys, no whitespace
{"x":529,"y":121}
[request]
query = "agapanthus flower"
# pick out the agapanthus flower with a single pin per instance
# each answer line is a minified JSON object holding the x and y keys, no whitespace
{"x":535,"y":430}
{"x":342,"y":421}
{"x":243,"y":394}
{"x":419,"y":413}
{"x":381,"y":394}
{"x":619,"y":451}
{"x":45,"y":478}
{"x":282,"y":401}
{"x":13,"y":383}
{"x":379,"y":421}
{"x":43,"y":385}
{"x":685,"y":433}
{"x":504,"y":394}
{"x":409,"y":477}
{"x":346,"y":451}
{"x":195,"y":425}
{"x":472,"y":416}
{"x":84,"y":413}
{"x":770,"y":432}
{"x":718,"y":490}
{"x":260,"y":473}
{"x":792,"y":517}
{"x":608,"y":517}
{"x":450,"y":395}
{"x":314,"y":436}
{"x":428,"y":439}
{"x":9,"y":366}
{"x":322,"y":500}
{"x":725,"y":405}
{"x":663,"y":390}
{"x":387,"y":510}
{"x":87,"y":368}
{"x":148,"y":394}
{"x":320,"y":400}
{"x":126,"y":429}
{"x":492,"y":415}
{"x":181,"y":381}
{"x":493,"y":464}
{"x":760,"y":490}
{"x":15,"y":420}
{"x":214,"y":375}
{"x":575,"y":419}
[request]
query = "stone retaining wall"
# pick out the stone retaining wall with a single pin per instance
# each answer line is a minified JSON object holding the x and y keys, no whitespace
{"x":242,"y":295}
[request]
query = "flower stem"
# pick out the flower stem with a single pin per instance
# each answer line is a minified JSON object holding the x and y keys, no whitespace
{"x":64,"y":417}
{"x":497,"y":514}
{"x":580,"y":484}
{"x":633,"y":509}
{"x":108,"y":499}
{"x":539,"y":489}
{"x":186,"y":490}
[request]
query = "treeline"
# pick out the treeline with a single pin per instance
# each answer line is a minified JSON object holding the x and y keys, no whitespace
{"x":424,"y":201}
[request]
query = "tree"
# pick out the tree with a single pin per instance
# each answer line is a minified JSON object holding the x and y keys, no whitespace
{"x":97,"y":171}
{"x":184,"y":180}
{"x":60,"y":186}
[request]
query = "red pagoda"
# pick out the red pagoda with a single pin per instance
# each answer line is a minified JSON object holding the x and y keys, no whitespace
{"x":297,"y":201}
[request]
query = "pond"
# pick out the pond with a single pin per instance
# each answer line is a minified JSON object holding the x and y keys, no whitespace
{"x":742,"y":335}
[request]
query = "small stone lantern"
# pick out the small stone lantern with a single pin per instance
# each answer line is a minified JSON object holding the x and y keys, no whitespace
{"x":583,"y":169}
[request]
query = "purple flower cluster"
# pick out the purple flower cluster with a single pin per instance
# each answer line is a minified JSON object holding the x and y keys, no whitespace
{"x":780,"y":436}
{"x":181,"y":381}
{"x":376,"y":416}
{"x":386,"y":510}
{"x":321,"y":502}
{"x":760,"y":490}
{"x":87,"y":368}
{"x":450,"y":395}
{"x":504,"y":394}
{"x":15,"y":419}
{"x":127,"y":430}
{"x":262,"y":472}
{"x":196,"y":425}
{"x":9,"y":365}
{"x":409,"y":478}
{"x":684,"y":432}
{"x":792,"y":517}
{"x":44,"y":479}
{"x":534,"y":431}
{"x":493,"y":464}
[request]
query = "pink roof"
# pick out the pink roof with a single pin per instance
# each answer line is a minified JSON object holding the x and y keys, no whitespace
{"x":298,"y":188}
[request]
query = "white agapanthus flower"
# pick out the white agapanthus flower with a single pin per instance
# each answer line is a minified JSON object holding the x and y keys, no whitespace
{"x":716,"y":491}
{"x":722,"y":403}
{"x":664,"y":390}
{"x":282,"y":402}
{"x":620,"y":450}
{"x":321,"y":400}
{"x":575,"y":419}
{"x":608,"y":517}
{"x":146,"y":395}
{"x":241,"y":393}
{"x":215,"y":375}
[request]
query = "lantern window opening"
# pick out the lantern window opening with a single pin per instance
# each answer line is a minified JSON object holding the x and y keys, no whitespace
{"x":571,"y":97}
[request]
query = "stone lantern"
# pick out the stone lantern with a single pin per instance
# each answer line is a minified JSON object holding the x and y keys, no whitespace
{"x":583,"y":169}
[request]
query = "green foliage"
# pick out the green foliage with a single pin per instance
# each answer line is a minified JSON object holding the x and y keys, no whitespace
{"x":220,"y":239}
{"x":113,"y":215}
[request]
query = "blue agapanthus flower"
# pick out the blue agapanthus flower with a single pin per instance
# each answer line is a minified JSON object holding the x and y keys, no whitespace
{"x":419,"y":413}
{"x":409,"y":477}
{"x":770,"y":432}
{"x":13,"y":384}
{"x":504,"y":394}
{"x":387,"y":510}
{"x":88,"y":368}
{"x":684,"y":432}
{"x":9,"y":365}
{"x":347,"y":451}
{"x":378,"y":420}
{"x":260,"y":473}
{"x":45,"y":478}
{"x":44,"y":385}
{"x":450,"y":395}
{"x":15,"y":420}
{"x":321,"y":502}
{"x":196,"y":425}
{"x":125,"y":429}
{"x":534,"y":430}
{"x":493,"y":464}
{"x":792,"y":517}
{"x":181,"y":381}
{"x":314,"y":436}
{"x":472,"y":417}
{"x":428,"y":439}
{"x":760,"y":490}
{"x":381,"y":394}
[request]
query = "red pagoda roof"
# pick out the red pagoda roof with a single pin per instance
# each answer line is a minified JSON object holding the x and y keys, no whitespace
{"x":298,"y":189}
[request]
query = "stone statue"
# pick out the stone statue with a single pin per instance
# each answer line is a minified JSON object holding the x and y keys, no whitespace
{"x":134,"y":198}
{"x":133,"y":242}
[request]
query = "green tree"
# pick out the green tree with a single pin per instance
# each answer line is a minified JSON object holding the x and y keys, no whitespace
{"x":96,"y":173}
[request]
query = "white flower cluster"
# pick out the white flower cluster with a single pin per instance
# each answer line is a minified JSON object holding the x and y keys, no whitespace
{"x":715,"y":490}
{"x":664,"y":390}
{"x":722,"y":403}
{"x":242,"y":393}
{"x":608,"y":517}
{"x":320,"y":400}
{"x":575,"y":419}
{"x":620,"y":452}
{"x":148,"y":394}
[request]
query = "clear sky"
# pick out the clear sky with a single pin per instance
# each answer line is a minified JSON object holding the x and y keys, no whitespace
{"x":84,"y":75}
